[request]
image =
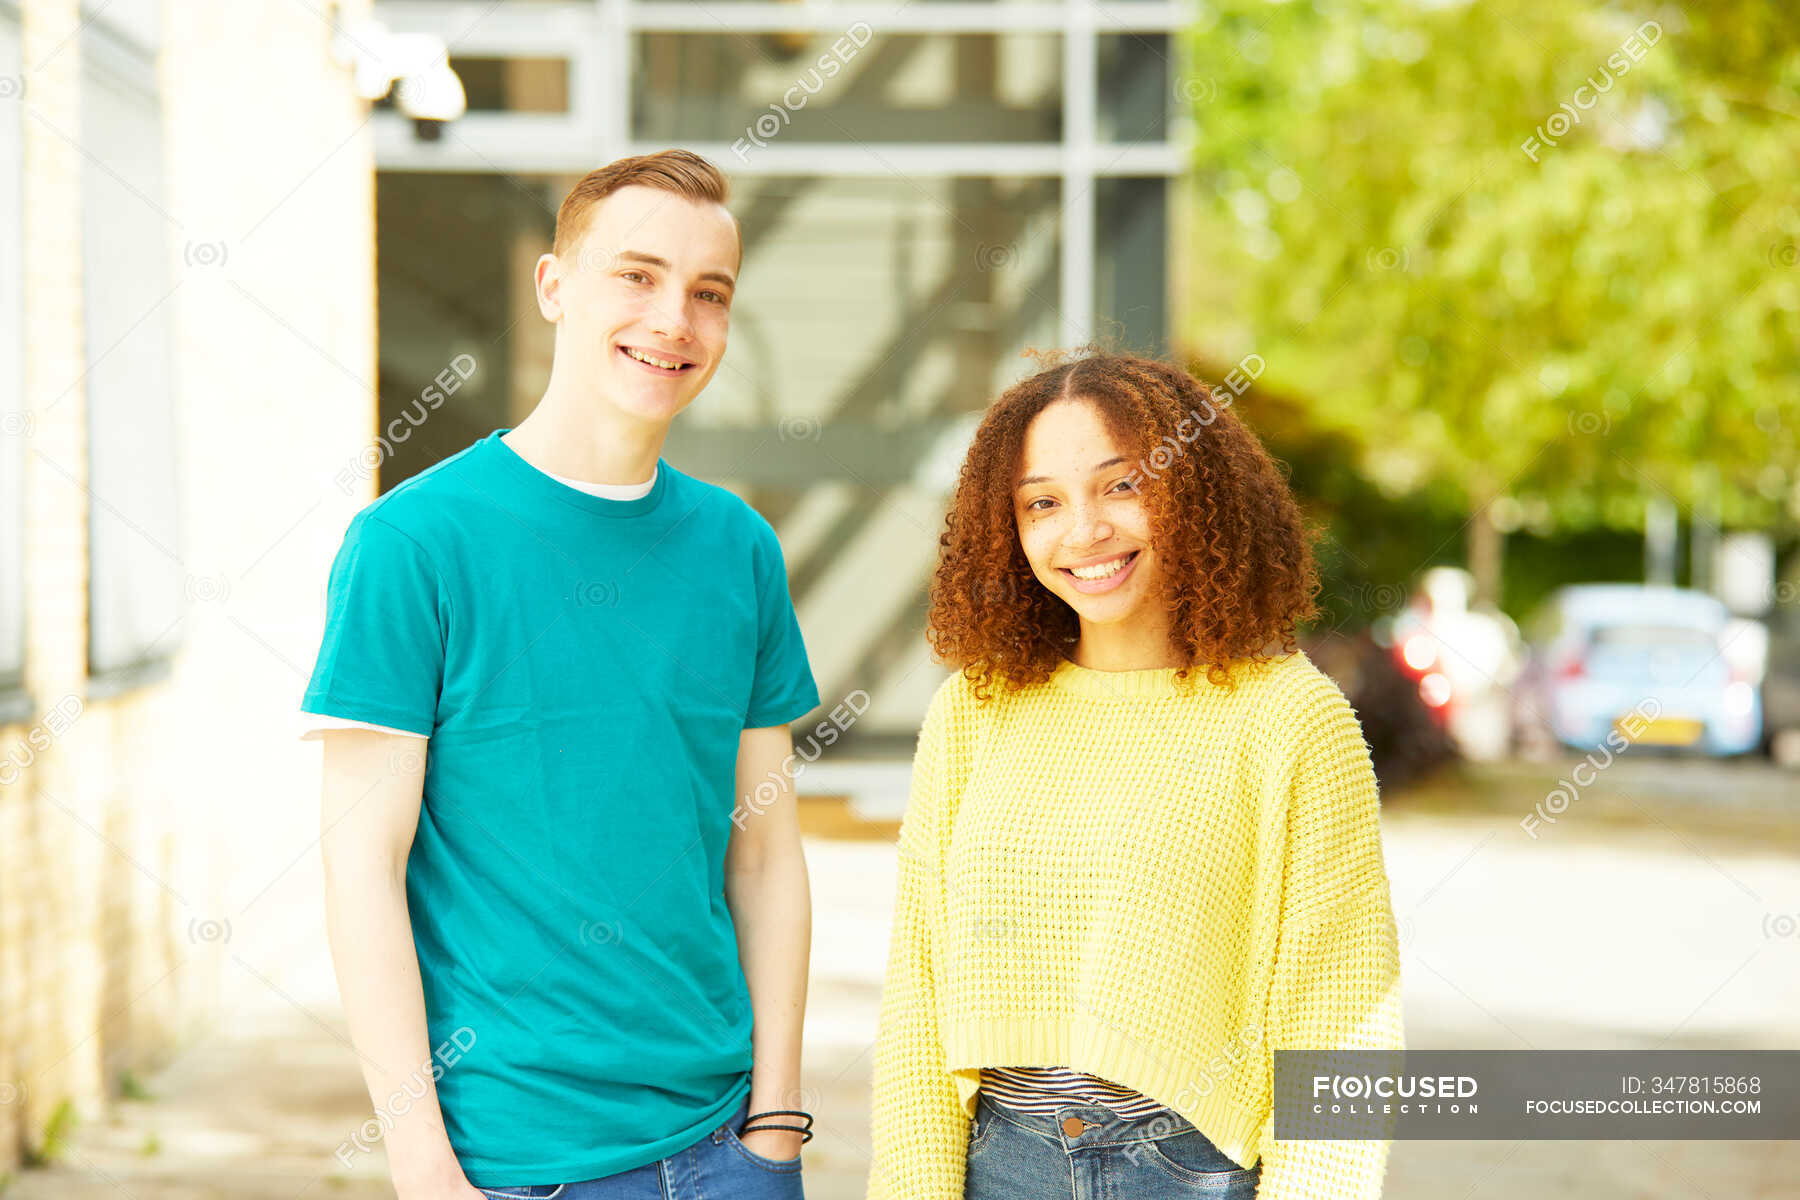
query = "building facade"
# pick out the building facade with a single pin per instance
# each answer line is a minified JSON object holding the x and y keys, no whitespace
{"x":186,"y":343}
{"x":926,"y":191}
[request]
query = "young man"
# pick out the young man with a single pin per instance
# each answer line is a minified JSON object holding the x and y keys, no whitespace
{"x":570,"y":926}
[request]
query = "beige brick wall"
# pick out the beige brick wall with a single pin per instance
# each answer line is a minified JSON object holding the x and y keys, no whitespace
{"x":157,"y":865}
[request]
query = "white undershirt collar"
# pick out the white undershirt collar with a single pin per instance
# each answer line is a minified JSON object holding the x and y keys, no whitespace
{"x":607,"y":491}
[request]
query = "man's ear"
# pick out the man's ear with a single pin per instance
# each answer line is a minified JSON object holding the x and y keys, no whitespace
{"x":548,"y":278}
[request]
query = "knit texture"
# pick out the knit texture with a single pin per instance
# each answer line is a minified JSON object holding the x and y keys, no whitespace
{"x":1102,"y":873}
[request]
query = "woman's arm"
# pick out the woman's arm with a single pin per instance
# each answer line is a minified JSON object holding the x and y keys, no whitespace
{"x":1337,"y":969}
{"x":920,"y":1131}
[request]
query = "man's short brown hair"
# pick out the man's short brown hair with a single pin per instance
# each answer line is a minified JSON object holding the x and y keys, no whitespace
{"x":679,"y":171}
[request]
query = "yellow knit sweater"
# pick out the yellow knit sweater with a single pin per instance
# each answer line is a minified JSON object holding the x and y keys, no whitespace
{"x":1101,"y":873}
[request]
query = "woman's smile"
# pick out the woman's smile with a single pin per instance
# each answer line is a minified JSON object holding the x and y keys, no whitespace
{"x":1103,"y":576}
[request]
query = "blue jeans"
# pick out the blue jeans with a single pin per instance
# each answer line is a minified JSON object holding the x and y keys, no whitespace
{"x":1085,"y":1152}
{"x":718,"y":1165}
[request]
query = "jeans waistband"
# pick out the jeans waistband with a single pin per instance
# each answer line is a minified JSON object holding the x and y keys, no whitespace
{"x":1077,"y":1124}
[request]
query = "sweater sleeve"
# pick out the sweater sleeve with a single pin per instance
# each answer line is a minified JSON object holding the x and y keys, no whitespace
{"x":920,"y":1132}
{"x":1337,"y":970}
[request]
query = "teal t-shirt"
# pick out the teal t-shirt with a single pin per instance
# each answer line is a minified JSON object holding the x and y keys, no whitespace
{"x":583,"y":668}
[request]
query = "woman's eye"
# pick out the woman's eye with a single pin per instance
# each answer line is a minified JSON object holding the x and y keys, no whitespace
{"x":1126,"y":484}
{"x":714,"y":296}
{"x":636,"y":275}
{"x":1033,"y":506}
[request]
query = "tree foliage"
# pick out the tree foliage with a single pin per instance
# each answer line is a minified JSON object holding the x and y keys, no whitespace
{"x":1539,"y":252}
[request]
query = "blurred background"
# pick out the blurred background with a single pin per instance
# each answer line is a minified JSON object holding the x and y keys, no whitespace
{"x":1511,"y":289}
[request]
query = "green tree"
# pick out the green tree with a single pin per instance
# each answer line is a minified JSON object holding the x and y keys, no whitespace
{"x":1543,"y":253}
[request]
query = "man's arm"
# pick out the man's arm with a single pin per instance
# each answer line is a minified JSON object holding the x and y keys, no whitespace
{"x":767,"y":889}
{"x":373,"y":787}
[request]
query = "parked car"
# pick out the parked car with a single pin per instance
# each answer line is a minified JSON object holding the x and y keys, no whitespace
{"x":1463,"y":655}
{"x":1407,"y":741}
{"x":1671,"y":664}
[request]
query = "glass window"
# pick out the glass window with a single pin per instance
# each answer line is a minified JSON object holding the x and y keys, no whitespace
{"x":877,"y":314}
{"x":874,"y":309}
{"x":448,"y":322}
{"x":850,"y":86}
{"x":871,"y":310}
{"x":1134,"y":87}
{"x":136,"y":21}
{"x":514,"y":84}
{"x":135,"y":591}
{"x":1131,"y":280}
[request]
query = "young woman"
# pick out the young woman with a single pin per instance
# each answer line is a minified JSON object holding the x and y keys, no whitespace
{"x":1142,"y":849}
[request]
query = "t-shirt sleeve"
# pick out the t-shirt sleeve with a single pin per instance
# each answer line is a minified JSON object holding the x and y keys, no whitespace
{"x":313,"y":726}
{"x":381,"y":660}
{"x":784,"y":690}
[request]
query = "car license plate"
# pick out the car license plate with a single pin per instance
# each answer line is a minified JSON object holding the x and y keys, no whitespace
{"x":1664,"y":731}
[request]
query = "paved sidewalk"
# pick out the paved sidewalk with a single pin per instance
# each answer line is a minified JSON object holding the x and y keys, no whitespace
{"x":1597,"y":934}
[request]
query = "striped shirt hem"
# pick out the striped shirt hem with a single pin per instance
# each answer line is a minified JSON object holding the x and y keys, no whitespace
{"x":1048,"y":1089}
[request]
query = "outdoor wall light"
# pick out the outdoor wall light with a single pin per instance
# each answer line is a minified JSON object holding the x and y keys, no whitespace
{"x":414,"y":67}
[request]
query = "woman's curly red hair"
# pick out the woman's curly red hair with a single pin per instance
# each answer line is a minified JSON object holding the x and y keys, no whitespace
{"x":1236,"y":554}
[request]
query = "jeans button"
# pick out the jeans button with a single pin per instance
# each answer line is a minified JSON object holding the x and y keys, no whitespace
{"x":1072,"y":1126}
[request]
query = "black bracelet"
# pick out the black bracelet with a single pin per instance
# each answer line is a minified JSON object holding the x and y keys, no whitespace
{"x":805,"y":1131}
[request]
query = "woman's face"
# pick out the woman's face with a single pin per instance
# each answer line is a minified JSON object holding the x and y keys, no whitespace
{"x":1079,"y":509}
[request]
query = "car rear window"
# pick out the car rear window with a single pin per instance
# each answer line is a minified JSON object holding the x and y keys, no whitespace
{"x":1651,"y":637}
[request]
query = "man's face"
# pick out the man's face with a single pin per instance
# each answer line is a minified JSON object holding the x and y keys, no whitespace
{"x":651,"y":278}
